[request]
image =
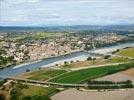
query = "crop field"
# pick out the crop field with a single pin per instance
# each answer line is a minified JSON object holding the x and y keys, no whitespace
{"x":90,"y":73}
{"x":43,"y":74}
{"x":129,"y":52}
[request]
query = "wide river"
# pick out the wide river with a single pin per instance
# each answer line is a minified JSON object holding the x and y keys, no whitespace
{"x":49,"y":62}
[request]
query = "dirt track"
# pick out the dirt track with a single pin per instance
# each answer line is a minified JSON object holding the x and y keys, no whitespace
{"x":73,"y":94}
{"x":120,"y":76}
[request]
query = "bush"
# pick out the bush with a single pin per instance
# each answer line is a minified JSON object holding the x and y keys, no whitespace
{"x":22,"y":86}
{"x":1,"y":83}
{"x":2,"y":97}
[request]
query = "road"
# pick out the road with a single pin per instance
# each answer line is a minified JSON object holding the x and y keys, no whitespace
{"x":57,"y":84}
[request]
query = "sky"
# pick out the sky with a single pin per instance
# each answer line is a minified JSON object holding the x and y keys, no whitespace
{"x":66,"y":12}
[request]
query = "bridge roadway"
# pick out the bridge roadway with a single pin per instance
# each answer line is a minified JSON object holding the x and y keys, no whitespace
{"x":58,"y":84}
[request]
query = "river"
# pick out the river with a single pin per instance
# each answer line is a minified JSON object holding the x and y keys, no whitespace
{"x":110,"y":49}
{"x":49,"y":62}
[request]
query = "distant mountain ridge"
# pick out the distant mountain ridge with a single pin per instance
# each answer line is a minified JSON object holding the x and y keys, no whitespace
{"x":74,"y":28}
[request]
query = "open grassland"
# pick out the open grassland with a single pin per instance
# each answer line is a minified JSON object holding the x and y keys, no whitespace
{"x":128,"y":52}
{"x":42,"y":74}
{"x":99,"y":61}
{"x":90,"y":73}
{"x":36,"y":90}
{"x":86,"y":63}
{"x":117,"y":60}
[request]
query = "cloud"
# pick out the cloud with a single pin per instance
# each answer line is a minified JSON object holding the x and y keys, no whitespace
{"x":20,"y":1}
{"x":26,"y":12}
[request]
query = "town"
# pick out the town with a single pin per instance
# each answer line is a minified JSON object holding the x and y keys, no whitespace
{"x":15,"y":50}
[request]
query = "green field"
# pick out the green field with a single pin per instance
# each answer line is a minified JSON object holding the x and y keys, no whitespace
{"x":43,"y":74}
{"x":90,"y":73}
{"x":29,"y":92}
{"x":129,"y":52}
{"x":41,"y":35}
{"x":35,"y":36}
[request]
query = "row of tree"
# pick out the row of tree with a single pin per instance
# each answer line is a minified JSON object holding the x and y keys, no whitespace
{"x":111,"y":86}
{"x":109,"y":82}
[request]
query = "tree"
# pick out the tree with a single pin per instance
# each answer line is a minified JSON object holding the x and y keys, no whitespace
{"x":40,"y":97}
{"x":3,"y":60}
{"x":94,"y":59}
{"x":22,"y":86}
{"x":56,"y":64}
{"x":107,"y":56}
{"x":10,"y":58}
{"x":2,"y":97}
{"x":15,"y":93}
{"x":117,"y":50}
{"x":128,"y":82}
{"x":71,"y":61}
{"x":27,"y":70}
{"x":27,"y":98}
{"x":65,"y":62}
{"x":26,"y":52}
{"x":89,"y":58}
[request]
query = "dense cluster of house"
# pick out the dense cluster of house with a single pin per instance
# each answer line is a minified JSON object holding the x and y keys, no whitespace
{"x":53,"y":47}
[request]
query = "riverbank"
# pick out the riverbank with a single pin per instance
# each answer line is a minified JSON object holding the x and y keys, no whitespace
{"x":95,"y":52}
{"x":49,"y":62}
{"x":31,"y":62}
